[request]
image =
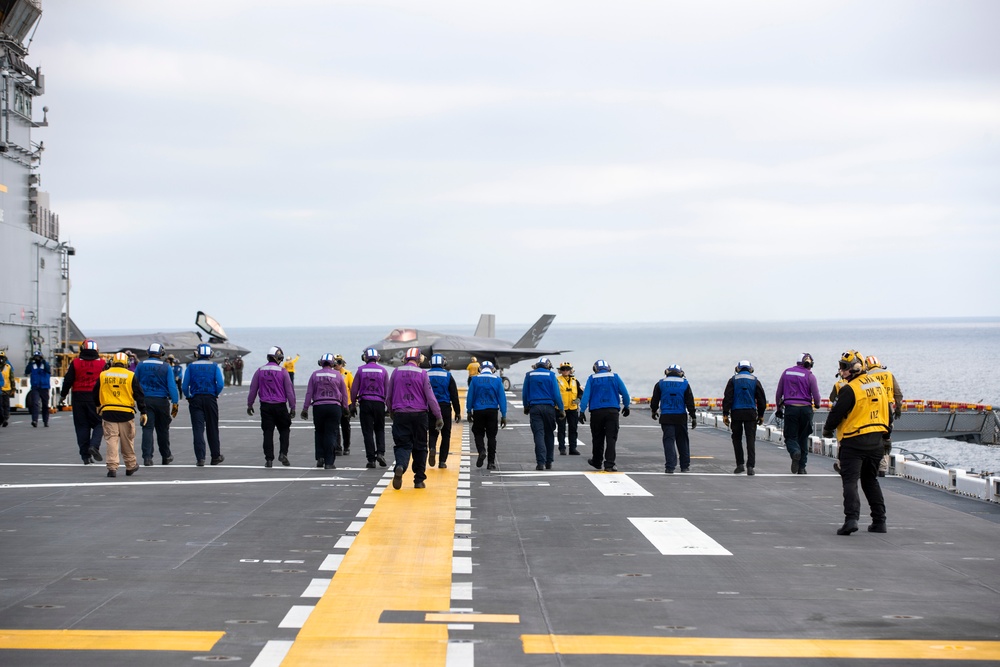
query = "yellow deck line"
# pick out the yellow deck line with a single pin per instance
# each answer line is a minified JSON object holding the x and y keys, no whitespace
{"x":108,"y":640}
{"x":401,"y":560}
{"x":869,"y":649}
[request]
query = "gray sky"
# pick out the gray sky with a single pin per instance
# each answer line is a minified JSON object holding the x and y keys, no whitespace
{"x":332,"y":163}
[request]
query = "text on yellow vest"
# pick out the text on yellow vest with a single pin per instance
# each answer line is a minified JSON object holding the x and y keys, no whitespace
{"x":116,"y":390}
{"x":870,"y":413}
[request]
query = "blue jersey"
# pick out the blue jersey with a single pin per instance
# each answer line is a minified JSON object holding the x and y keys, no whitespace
{"x":672,"y":391}
{"x":157,"y":379}
{"x":440,"y":383}
{"x":541,"y":388}
{"x":203,"y":377}
{"x":486,"y":392}
{"x":604,"y":390}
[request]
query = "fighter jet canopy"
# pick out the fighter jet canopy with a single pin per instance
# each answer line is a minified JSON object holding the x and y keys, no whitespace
{"x":209,"y":325}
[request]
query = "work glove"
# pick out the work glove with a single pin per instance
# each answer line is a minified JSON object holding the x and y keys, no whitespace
{"x":503,"y":422}
{"x":886,"y":447}
{"x":458,"y":416}
{"x":250,"y":410}
{"x":527,"y":410}
{"x":760,"y":421}
{"x":694,"y":422}
{"x":626,"y":412}
{"x":291,"y":414}
{"x":827,"y":434}
{"x":143,"y":419}
{"x":561,"y":415}
{"x":173,"y":411}
{"x":780,"y":413}
{"x":656,"y":415}
{"x":62,"y":403}
{"x":898,"y":413}
{"x":305,"y":413}
{"x":725,"y":419}
{"x":468,"y":416}
{"x":438,"y":424}
{"x":353,"y":411}
{"x":583,"y":417}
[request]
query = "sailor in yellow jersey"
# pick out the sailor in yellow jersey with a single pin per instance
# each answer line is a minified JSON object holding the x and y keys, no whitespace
{"x":289,"y":365}
{"x":117,"y":394}
{"x":7,"y":389}
{"x":861,"y":419}
{"x":877,"y":370}
{"x":345,"y":418}
{"x":473,"y":369}
{"x":571,"y":391}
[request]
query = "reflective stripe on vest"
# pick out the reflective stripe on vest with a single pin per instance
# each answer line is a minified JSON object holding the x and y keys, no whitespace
{"x":116,"y":390}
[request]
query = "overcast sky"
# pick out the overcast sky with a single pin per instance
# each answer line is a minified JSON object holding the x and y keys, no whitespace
{"x":397,"y":162}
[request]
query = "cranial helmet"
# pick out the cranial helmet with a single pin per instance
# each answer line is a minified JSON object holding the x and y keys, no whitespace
{"x":276,"y":354}
{"x":204,"y":351}
{"x":486,"y":367}
{"x":871,"y":362}
{"x":566,"y":366}
{"x":155,"y":350}
{"x":89,"y":344}
{"x":744,"y":365}
{"x":601,"y":366}
{"x":412,"y":353}
{"x":120,"y":359}
{"x":327,"y":360}
{"x":806,"y":359}
{"x":852,"y":362}
{"x":371,"y":354}
{"x":438,"y":360}
{"x":673,"y":370}
{"x":543,"y":362}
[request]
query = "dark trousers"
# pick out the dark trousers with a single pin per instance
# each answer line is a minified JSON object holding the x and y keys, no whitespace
{"x":675,"y":441}
{"x":409,"y":435}
{"x":38,"y":401}
{"x":484,"y":432}
{"x":158,"y":421}
{"x":238,"y":376}
{"x":88,"y":425}
{"x":748,"y":428}
{"x":204,"y":409}
{"x":275,"y":415}
{"x":4,"y":408}
{"x":861,"y":463}
{"x":571,"y":424}
{"x":345,"y":430}
{"x":604,"y":435}
{"x":543,"y":429}
{"x":372,"y":417}
{"x":326,"y":420}
{"x":432,"y":433}
{"x":798,"y":427}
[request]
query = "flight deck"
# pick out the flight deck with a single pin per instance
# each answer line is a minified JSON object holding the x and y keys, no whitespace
{"x":238,"y":564}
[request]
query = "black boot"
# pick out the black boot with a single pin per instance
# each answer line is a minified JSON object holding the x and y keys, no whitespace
{"x":850,"y":526}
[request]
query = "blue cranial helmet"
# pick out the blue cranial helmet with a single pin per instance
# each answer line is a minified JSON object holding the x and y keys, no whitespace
{"x":204,"y":351}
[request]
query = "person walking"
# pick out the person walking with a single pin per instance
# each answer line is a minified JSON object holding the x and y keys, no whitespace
{"x":543,"y":402}
{"x":485,"y":402}
{"x":118,"y":395}
{"x":81,"y":376}
{"x":861,"y":421}
{"x":671,"y":402}
{"x":175,"y":366}
{"x":368,"y":400}
{"x":277,"y":404}
{"x":7,"y":383}
{"x":327,"y":393}
{"x":571,"y":391}
{"x":202,"y":384}
{"x":795,"y":399}
{"x":446,"y":393}
{"x":409,"y":397}
{"x":894,"y":392}
{"x":289,"y":365}
{"x":743,"y":406}
{"x":472,"y":369}
{"x":604,"y":395}
{"x":160,"y":391}
{"x":345,"y":417}
{"x":40,"y":380}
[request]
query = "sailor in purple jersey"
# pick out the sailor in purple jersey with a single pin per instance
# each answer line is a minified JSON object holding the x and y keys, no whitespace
{"x":327,"y":393}
{"x":410,"y":397}
{"x":796,"y":397}
{"x":272,"y":382}
{"x":368,"y":400}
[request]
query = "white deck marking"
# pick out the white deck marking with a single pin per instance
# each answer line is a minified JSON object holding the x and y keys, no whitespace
{"x":461,"y":590}
{"x":273,"y":653}
{"x":316,"y":588}
{"x":617,"y":485}
{"x":344,"y":542}
{"x":463,"y":528}
{"x":461,"y":565}
{"x":364,"y":513}
{"x":331,"y":562}
{"x":462,"y":544}
{"x":296,"y":616}
{"x":678,"y":537}
{"x":355,"y":527}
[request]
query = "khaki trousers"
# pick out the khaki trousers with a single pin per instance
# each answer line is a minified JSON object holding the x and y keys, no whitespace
{"x":120,"y":434}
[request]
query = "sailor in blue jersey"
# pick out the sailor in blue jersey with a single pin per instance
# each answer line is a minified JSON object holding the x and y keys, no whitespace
{"x":486,"y":398}
{"x":446,"y":392}
{"x":744,"y":401}
{"x":202,"y":384}
{"x":604,"y":395}
{"x":157,"y":381}
{"x":542,"y":400}
{"x":672,"y":396}
{"x":368,"y":390}
{"x":39,"y":374}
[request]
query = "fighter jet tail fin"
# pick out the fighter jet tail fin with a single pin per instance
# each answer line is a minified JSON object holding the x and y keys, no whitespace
{"x":487,"y":327}
{"x":533,"y":336}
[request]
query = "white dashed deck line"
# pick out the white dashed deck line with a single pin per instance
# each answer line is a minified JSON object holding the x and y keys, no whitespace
{"x":678,"y":537}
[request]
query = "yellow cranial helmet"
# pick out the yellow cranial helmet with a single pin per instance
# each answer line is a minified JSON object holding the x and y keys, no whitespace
{"x":120,"y":359}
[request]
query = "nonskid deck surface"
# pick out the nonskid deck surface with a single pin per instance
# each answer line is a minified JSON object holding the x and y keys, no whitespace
{"x":304,"y":566}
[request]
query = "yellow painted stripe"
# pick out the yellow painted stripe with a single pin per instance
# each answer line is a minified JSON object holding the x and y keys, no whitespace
{"x":3,"y":188}
{"x":472,"y":618}
{"x":399,"y":561}
{"x":109,"y":640}
{"x":761,"y":648}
